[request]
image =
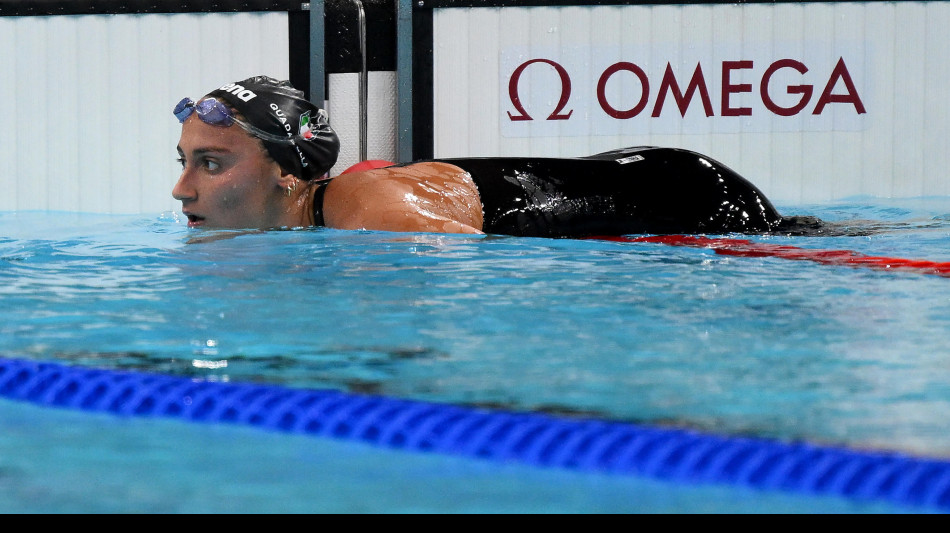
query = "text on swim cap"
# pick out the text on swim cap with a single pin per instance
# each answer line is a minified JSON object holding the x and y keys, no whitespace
{"x":282,"y":118}
{"x":238,"y":90}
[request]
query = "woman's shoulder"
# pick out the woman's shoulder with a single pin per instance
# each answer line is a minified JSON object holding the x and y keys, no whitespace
{"x":420,"y":171}
{"x":378,"y":197}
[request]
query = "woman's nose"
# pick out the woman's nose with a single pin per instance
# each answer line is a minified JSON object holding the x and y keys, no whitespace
{"x":183,"y":190}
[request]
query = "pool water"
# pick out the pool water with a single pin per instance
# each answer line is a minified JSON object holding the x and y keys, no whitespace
{"x":629,"y":332}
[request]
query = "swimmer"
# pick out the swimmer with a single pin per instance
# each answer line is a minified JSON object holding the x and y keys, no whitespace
{"x":255,"y":155}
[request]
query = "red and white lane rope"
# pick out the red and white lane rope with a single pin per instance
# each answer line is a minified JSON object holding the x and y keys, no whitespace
{"x":747,"y":248}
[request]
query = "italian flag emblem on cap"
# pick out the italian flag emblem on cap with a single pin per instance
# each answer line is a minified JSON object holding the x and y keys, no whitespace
{"x":304,"y":130}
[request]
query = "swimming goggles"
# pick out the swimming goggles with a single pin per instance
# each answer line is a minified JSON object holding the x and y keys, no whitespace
{"x":216,"y":113}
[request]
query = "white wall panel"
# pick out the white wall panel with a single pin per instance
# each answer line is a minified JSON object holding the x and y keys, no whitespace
{"x":343,"y":107}
{"x":8,"y":118}
{"x":451,"y":108}
{"x":895,"y":52}
{"x":87,"y":114}
{"x":788,"y":26}
{"x":62,"y":172}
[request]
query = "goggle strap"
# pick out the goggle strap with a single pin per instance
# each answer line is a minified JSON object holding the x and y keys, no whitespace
{"x":261,"y":134}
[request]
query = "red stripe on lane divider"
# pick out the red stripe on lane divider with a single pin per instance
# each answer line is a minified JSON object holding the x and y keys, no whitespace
{"x":746,"y":248}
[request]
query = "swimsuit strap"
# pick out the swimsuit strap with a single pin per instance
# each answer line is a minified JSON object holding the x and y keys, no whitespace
{"x":318,"y":203}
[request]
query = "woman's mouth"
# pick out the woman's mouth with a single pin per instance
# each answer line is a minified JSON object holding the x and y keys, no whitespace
{"x":194,"y":220}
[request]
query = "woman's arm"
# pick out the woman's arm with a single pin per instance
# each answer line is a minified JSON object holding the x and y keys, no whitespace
{"x":422,"y":197}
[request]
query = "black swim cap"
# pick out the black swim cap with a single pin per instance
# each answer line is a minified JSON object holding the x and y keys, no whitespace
{"x":277,"y":108}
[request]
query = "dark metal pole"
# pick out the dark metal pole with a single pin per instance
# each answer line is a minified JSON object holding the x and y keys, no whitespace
{"x":318,"y":75}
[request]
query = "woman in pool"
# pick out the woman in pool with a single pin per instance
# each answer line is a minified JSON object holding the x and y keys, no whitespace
{"x":255,"y":154}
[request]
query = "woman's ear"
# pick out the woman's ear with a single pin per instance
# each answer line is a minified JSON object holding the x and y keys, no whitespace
{"x":286,"y":180}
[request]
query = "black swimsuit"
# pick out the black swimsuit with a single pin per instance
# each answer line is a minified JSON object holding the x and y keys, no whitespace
{"x":639,"y":190}
{"x":318,"y":204}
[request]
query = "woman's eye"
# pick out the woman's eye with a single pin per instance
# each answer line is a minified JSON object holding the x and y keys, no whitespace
{"x":212,"y":165}
{"x":181,"y":160}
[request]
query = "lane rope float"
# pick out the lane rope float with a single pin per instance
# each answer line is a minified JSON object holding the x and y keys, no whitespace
{"x":535,"y":439}
{"x":747,"y":248}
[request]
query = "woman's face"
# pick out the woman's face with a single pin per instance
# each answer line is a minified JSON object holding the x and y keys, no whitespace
{"x":227,"y":178}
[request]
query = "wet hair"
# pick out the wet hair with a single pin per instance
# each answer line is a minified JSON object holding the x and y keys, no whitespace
{"x":278,"y":109}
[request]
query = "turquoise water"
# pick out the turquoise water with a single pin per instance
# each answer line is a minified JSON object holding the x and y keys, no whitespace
{"x":644,"y":333}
